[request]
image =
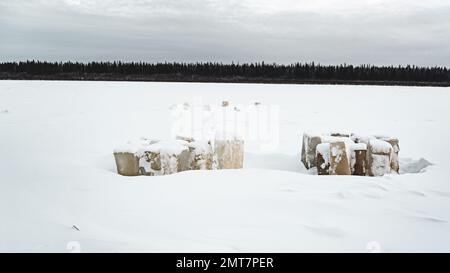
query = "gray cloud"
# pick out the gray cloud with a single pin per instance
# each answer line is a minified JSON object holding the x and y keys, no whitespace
{"x":376,"y":32}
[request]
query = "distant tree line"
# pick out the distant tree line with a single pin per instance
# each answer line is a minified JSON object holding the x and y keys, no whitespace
{"x":246,"y":71}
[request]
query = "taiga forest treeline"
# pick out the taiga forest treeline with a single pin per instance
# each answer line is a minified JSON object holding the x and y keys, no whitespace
{"x":234,"y":72}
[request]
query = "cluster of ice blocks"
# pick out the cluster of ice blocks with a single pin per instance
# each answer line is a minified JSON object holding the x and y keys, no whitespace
{"x":350,"y":154}
{"x":153,"y":157}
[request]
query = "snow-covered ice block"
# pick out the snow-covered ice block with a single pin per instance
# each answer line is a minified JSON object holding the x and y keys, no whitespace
{"x":310,"y":142}
{"x":379,"y":154}
{"x":229,"y":154}
{"x":323,"y":158}
{"x":127,"y":157}
{"x":164,"y":157}
{"x":201,"y":155}
{"x":358,"y":159}
{"x":339,"y":161}
{"x":150,"y":163}
{"x":395,"y":166}
{"x":127,"y":163}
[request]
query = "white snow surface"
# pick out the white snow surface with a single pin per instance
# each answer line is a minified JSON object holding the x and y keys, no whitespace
{"x":57,"y":170}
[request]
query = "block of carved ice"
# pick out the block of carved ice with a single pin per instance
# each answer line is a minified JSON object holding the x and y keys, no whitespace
{"x":358,"y":158}
{"x":309,"y":144}
{"x":126,"y":157}
{"x":379,"y":154}
{"x":164,"y":157}
{"x":395,"y":165}
{"x":229,"y":153}
{"x":201,"y":155}
{"x":127,"y":163}
{"x":395,"y":150}
{"x":339,"y":160}
{"x":323,"y":158}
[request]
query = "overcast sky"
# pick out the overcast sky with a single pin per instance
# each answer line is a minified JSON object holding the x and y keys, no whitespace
{"x":378,"y":32}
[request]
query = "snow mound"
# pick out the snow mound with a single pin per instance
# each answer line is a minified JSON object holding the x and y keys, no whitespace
{"x":408,"y":165}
